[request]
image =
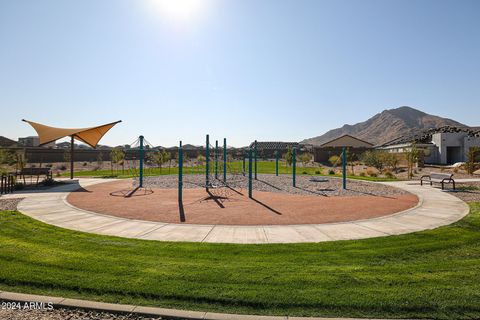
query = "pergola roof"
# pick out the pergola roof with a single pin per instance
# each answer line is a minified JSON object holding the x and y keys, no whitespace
{"x":90,"y":136}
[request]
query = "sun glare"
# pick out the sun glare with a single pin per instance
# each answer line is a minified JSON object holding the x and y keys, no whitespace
{"x":179,"y":9}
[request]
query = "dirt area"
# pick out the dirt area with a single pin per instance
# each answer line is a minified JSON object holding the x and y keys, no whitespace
{"x":467,"y":191}
{"x":9,"y":204}
{"x":231,"y":206}
{"x":71,"y":314}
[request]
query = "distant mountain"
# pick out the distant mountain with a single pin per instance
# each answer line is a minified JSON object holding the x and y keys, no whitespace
{"x":5,"y":142}
{"x":387,"y":125}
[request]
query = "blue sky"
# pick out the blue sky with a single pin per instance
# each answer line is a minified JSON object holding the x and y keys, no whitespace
{"x":241,"y":69}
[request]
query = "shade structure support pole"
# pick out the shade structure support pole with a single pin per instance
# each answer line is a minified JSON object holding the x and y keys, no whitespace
{"x":250,"y":172}
{"x":224,"y":159}
{"x":141,"y":163}
{"x":294,"y":163}
{"x":344,"y":167}
{"x":276,"y":163}
{"x":180,"y":173}
{"x":207,"y":162}
{"x":255,"y":156}
{"x":216,"y":159}
{"x":72,"y":147}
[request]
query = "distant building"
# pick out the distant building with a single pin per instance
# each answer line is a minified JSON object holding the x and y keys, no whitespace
{"x":444,"y":145}
{"x":335,"y":147}
{"x":266,"y":149}
{"x":33,"y":141}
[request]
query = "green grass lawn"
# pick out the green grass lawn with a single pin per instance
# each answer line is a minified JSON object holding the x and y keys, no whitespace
{"x":430,"y":274}
{"x":267,"y":167}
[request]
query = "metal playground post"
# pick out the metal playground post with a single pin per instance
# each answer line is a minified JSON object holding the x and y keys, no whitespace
{"x":216,"y":159}
{"x":224,"y":159}
{"x":344,"y":168}
{"x":180,"y":173}
{"x":141,"y":163}
{"x":255,"y":155}
{"x":207,"y":156}
{"x":294,"y":164}
{"x":250,"y":172}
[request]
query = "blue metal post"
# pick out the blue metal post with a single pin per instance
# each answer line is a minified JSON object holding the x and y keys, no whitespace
{"x":224,"y":159}
{"x":250,"y":172}
{"x":344,"y":167}
{"x":276,"y":163}
{"x":216,"y":159}
{"x":255,"y":153}
{"x":207,"y":156}
{"x":141,"y":162}
{"x":294,"y":163}
{"x":180,"y":173}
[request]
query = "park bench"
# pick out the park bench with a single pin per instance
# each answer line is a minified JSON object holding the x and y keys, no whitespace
{"x":441,"y":178}
{"x":35,"y":172}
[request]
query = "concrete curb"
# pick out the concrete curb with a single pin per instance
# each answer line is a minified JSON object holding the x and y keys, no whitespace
{"x":146,"y":311}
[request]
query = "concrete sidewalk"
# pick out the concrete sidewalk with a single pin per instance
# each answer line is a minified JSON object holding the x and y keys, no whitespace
{"x":146,"y":311}
{"x":435,"y":208}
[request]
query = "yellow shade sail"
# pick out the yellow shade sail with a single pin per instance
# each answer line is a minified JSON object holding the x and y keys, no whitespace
{"x":90,"y":136}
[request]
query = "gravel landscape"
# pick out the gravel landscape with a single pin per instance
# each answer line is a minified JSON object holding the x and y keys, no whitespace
{"x":9,"y":204}
{"x":68,"y":314}
{"x":306,"y":185}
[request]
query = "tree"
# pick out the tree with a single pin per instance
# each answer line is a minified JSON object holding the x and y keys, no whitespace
{"x":288,"y":156}
{"x":412,"y":158}
{"x":160,"y":157}
{"x":390,"y":160}
{"x":305,"y":158}
{"x":373,"y":159}
{"x":471,"y":163}
{"x":117,"y":155}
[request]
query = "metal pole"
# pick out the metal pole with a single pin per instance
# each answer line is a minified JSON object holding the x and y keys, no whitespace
{"x":72,"y":146}
{"x":207,"y":156}
{"x":255,"y":152}
{"x":344,"y":167}
{"x":216,"y":159}
{"x":294,"y":163}
{"x":250,"y":172}
{"x":224,"y":159}
{"x":141,"y":162}
{"x":180,"y":173}
{"x":276,"y":163}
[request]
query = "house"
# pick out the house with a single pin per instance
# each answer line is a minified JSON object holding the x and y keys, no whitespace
{"x":267,"y":149}
{"x":443,"y":145}
{"x":334,"y":147}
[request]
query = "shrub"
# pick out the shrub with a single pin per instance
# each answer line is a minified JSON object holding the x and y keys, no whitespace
{"x":333,"y":160}
{"x":362,"y":174}
{"x":19,"y":186}
{"x":331,"y":171}
{"x":389,"y":174}
{"x":62,"y":167}
{"x":304,"y":172}
{"x":372,"y":173}
{"x":470,"y":164}
{"x":48,"y":182}
{"x":374,"y":159}
{"x":84,"y":164}
{"x":318,"y":172}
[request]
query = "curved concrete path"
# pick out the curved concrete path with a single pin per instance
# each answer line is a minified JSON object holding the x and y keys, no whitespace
{"x":435,"y":208}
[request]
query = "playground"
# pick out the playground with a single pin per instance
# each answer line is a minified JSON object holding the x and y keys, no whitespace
{"x":221,"y":194}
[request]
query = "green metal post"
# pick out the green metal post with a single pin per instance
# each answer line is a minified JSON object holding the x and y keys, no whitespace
{"x":216,"y":159}
{"x":255,"y":155}
{"x":276,"y":163}
{"x":141,"y":162}
{"x":207,"y":156}
{"x":180,"y":173}
{"x":250,"y":172}
{"x":294,"y":163}
{"x":224,"y":159}
{"x":344,"y":167}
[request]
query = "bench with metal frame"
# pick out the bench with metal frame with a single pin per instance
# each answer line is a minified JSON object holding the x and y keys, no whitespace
{"x":35,"y":172}
{"x":441,"y":178}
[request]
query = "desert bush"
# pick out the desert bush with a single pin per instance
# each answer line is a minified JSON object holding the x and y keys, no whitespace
{"x":84,"y":164}
{"x":470,"y":164}
{"x":389,"y":174}
{"x":305,"y":158}
{"x":374,"y":159}
{"x":331,"y":171}
{"x":372,"y":173}
{"x":19,"y":186}
{"x":62,"y":167}
{"x":333,"y":160}
{"x":48,"y":182}
{"x":318,"y":172}
{"x":362,"y":174}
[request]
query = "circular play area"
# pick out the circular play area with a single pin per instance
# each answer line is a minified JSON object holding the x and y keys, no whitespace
{"x":314,"y":200}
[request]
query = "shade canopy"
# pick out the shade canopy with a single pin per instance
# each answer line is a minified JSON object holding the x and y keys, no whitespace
{"x":90,"y":136}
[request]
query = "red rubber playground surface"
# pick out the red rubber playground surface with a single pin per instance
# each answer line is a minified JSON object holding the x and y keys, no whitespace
{"x":267,"y":208}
